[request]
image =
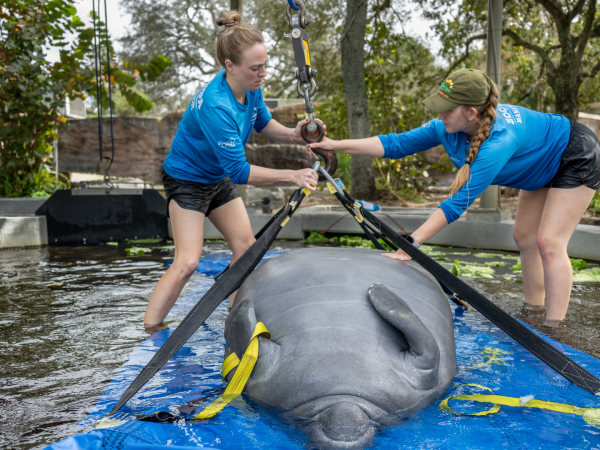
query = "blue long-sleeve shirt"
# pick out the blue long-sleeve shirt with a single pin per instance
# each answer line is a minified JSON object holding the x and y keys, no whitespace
{"x":209,"y":143}
{"x":523,"y":152}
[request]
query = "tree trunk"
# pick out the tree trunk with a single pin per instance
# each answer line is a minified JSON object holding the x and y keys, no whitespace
{"x":362,"y":173}
{"x":565,"y":84}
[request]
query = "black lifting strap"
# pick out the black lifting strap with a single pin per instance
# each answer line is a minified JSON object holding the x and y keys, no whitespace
{"x":520,"y":333}
{"x":229,"y":282}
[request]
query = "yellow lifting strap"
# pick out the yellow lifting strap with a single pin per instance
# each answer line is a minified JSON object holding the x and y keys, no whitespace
{"x":241,"y":375}
{"x":590,"y":415}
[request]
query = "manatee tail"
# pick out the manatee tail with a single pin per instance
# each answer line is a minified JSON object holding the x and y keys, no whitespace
{"x":423,"y":353}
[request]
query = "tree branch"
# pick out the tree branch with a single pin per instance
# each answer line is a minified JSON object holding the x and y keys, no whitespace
{"x":519,"y":41}
{"x":534,"y":85}
{"x":554,"y":8}
{"x":576,"y":11}
{"x":584,"y":36}
{"x":466,"y":55}
{"x":591,"y":73}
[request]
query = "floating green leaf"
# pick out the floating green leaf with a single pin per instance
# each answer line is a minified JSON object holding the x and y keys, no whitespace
{"x":139,"y":251}
{"x":427,"y":249}
{"x":316,"y":237}
{"x":144,"y":241}
{"x":592,"y":275}
{"x":578,"y":264}
{"x":495,"y":263}
{"x":485,"y":255}
{"x":471,"y":270}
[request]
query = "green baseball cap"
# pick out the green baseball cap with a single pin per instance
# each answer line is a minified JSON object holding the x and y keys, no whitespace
{"x":464,"y":87}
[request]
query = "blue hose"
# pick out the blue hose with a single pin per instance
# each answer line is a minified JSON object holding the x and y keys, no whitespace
{"x":293,"y":5}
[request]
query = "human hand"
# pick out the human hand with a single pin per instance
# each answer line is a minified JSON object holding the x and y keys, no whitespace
{"x":297,"y":134}
{"x":306,"y":178}
{"x":325,"y":144}
{"x":398,"y":255}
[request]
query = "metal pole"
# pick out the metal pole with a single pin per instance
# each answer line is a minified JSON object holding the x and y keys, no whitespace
{"x":236,"y":5}
{"x":490,"y":199}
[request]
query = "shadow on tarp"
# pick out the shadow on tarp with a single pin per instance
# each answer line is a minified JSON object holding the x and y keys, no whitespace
{"x":486,"y":356}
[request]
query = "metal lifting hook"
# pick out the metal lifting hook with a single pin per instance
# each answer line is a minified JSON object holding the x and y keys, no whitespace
{"x":304,"y":73}
{"x":328,"y":156}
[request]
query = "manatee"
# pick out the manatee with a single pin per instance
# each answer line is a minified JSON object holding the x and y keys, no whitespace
{"x":357,"y":342}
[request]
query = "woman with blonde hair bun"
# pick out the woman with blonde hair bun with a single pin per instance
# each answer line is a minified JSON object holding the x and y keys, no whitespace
{"x":207,"y":158}
{"x":555,"y":163}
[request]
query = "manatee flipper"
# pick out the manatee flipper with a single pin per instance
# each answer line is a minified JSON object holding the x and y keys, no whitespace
{"x":239,"y":327}
{"x":421,"y":360}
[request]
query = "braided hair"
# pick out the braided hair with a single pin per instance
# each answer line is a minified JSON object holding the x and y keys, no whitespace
{"x":487,"y":111}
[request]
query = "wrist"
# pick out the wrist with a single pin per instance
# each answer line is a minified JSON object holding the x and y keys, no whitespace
{"x":291,"y":135}
{"x":413,"y":241}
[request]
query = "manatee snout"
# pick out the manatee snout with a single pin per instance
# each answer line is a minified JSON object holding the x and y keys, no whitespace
{"x":343,"y":426}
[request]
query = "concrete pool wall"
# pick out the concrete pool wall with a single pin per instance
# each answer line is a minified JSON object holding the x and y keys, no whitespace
{"x":20,"y":227}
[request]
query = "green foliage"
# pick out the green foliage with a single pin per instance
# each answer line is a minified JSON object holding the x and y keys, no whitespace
{"x":399,"y":73}
{"x":595,"y":204}
{"x":550,"y":49}
{"x":32,"y":89}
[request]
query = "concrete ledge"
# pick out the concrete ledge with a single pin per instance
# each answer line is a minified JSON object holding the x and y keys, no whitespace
{"x":23,"y":231}
{"x":20,"y":206}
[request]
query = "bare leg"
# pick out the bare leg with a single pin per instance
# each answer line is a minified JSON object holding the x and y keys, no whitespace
{"x":232,"y":221}
{"x":562,"y":212}
{"x":527,"y":225}
{"x":188,"y":234}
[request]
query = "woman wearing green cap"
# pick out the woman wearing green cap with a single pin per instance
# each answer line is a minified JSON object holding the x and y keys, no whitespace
{"x":554,"y":161}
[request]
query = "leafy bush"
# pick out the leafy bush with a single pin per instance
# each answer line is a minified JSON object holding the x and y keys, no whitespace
{"x":32,"y":89}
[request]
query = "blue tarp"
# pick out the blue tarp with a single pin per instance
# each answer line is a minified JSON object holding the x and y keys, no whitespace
{"x":486,"y":356}
{"x":217,"y":262}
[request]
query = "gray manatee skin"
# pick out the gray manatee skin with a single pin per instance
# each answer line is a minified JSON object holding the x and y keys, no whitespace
{"x":357,"y":341}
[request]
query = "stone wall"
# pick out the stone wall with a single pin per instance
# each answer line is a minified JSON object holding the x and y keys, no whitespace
{"x":142,"y":143}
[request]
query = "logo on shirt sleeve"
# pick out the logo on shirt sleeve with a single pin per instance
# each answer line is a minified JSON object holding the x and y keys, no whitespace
{"x":511,"y":115}
{"x":254,"y":116}
{"x":227,"y":144}
{"x":197,"y":100}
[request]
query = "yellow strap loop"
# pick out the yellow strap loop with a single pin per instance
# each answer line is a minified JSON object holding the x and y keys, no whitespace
{"x":358,"y":217}
{"x":229,"y":364}
{"x":590,"y":415}
{"x":240,"y":377}
{"x":306,"y":191}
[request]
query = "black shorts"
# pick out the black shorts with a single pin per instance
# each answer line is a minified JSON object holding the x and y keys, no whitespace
{"x":197,"y":196}
{"x":580,"y":161}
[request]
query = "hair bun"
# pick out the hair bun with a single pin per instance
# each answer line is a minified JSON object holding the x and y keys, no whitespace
{"x":229,"y":18}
